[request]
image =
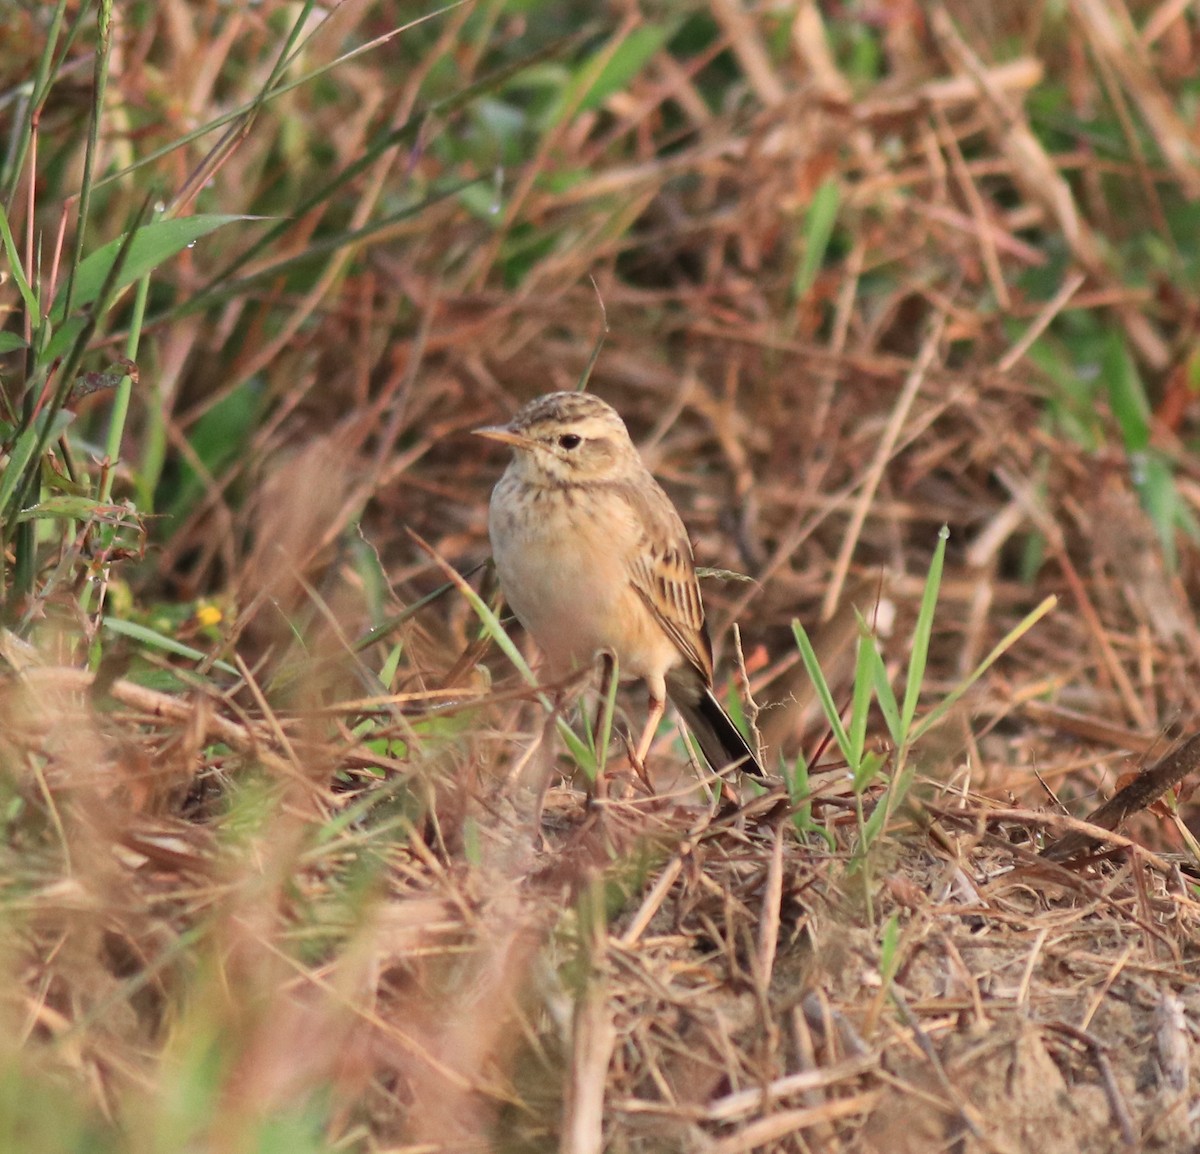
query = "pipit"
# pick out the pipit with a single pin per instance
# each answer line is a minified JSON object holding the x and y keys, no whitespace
{"x":593,"y":558}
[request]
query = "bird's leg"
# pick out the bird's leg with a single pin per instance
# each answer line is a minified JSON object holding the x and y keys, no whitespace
{"x":654,"y":716}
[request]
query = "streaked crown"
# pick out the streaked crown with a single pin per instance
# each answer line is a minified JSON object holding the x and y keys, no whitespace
{"x":566,"y":406}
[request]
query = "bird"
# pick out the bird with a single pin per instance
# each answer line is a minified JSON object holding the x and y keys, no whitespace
{"x":593,"y":558}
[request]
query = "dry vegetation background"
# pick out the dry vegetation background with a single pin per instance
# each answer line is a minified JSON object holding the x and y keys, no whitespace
{"x":861,"y":269}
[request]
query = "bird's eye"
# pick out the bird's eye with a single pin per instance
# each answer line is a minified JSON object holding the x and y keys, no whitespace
{"x":570,"y":440}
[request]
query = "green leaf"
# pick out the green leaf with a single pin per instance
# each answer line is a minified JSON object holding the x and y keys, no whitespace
{"x":625,"y":63}
{"x":387,"y":671}
{"x":884,"y":693}
{"x":1155,"y":483}
{"x":10,"y":342}
{"x":818,"y":231}
{"x":865,"y":773}
{"x":153,"y":246}
{"x":14,"y":264}
{"x":824,"y":695}
{"x":68,"y":508}
{"x":19,"y":457}
{"x":860,"y":702}
{"x":608,"y":712}
{"x":483,"y":201}
{"x":799,"y":789}
{"x":1002,"y":646}
{"x":155,"y":640}
{"x":217,"y":439}
{"x":923,"y":632}
{"x":1126,"y":394}
{"x":889,"y":949}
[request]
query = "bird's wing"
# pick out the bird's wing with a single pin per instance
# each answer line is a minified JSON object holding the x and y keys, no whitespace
{"x":663,"y":572}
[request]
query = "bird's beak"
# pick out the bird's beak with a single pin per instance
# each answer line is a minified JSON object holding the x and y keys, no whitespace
{"x":503,"y":434}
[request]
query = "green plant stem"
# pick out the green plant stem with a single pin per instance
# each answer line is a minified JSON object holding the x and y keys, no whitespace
{"x":154,"y":450}
{"x":32,"y":440}
{"x":25,"y":538}
{"x":24,"y":545}
{"x":116,"y":432}
{"x":120,"y":412}
{"x":103,"y":49}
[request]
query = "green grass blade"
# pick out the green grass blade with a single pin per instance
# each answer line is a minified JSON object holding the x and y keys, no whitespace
{"x":124,"y":391}
{"x":152,"y":639}
{"x":222,"y":288}
{"x":28,"y":296}
{"x":800,"y":798}
{"x":18,"y":468}
{"x":819,"y":223}
{"x":384,"y":628}
{"x":24,"y":485}
{"x":1126,"y":393}
{"x":623,"y":65}
{"x":832,"y":716}
{"x":96,"y":111}
{"x":922,"y":634}
{"x":860,"y":700}
{"x":607,"y":713}
{"x":150,"y":246}
{"x":866,"y":770}
{"x":885,"y":695}
{"x":1004,"y":644}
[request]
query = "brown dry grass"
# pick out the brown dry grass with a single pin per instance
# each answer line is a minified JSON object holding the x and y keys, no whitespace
{"x":303,"y":910}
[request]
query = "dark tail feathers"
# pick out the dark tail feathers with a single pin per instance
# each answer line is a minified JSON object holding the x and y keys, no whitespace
{"x":720,"y":740}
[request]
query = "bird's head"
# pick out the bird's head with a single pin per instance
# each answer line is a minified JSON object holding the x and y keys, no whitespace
{"x":566,"y":439}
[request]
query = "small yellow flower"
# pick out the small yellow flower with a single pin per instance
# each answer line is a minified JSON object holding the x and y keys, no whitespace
{"x":208,"y":615}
